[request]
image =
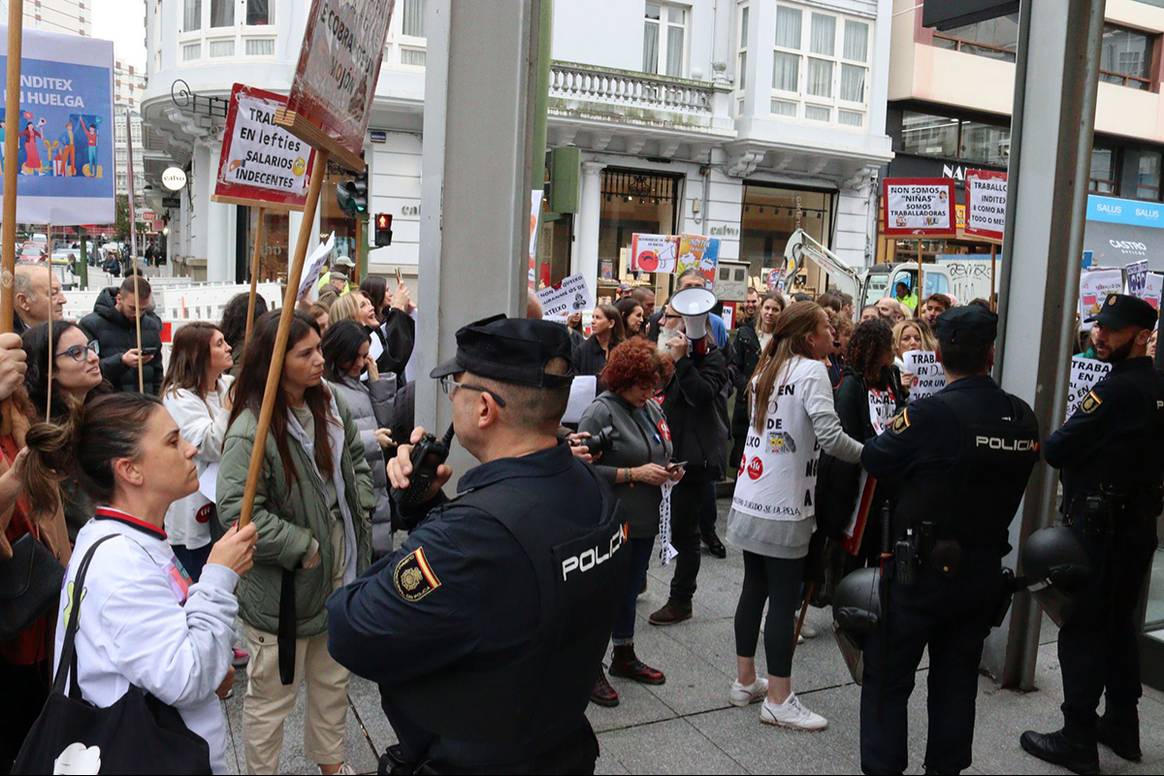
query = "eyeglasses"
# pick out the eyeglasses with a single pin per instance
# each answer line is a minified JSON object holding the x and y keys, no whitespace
{"x":450,"y":386}
{"x":80,"y":353}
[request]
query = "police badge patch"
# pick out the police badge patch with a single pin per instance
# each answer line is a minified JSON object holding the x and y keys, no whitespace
{"x":900,"y":423}
{"x":1090,"y":403}
{"x":413,"y":577}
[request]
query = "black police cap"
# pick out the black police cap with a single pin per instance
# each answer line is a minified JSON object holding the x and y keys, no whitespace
{"x":972,"y":325}
{"x":1121,"y":310}
{"x":512,"y":350}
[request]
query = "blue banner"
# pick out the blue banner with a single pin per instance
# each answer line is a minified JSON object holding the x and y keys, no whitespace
{"x":1131,"y":212}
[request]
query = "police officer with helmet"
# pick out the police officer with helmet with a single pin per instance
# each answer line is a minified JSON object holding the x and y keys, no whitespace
{"x":1111,"y":463}
{"x":486,"y":629}
{"x":969,"y":448}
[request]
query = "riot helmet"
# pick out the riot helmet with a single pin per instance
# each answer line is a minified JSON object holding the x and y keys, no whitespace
{"x":856,"y":614}
{"x":1056,"y":569}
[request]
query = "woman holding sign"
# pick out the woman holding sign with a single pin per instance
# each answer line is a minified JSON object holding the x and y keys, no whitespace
{"x":910,"y":335}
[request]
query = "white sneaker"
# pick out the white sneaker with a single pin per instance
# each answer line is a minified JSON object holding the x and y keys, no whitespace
{"x":756,"y":691}
{"x":807,"y":631}
{"x":791,"y":714}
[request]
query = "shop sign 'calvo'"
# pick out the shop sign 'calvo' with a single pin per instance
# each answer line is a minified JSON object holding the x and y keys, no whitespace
{"x":174,"y":178}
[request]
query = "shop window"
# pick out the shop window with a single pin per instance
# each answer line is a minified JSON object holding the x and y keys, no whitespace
{"x":1103,"y":179}
{"x":770,"y":215}
{"x":1148,"y":176}
{"x":260,"y":12}
{"x":664,"y":39}
{"x":192,"y":15}
{"x":412,"y":19}
{"x":923,"y":134}
{"x":820,"y":64}
{"x":994,"y":38}
{"x":1125,"y":57}
{"x":985,"y":143}
{"x":632,"y":201}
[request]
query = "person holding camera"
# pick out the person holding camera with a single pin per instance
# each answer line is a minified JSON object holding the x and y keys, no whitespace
{"x":636,"y":465}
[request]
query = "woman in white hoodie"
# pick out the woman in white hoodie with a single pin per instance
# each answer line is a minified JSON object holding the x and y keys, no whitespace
{"x":772,"y":518}
{"x":195,"y":393}
{"x":141,"y":622}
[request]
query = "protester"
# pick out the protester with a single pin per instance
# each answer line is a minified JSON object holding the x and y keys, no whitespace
{"x":320,"y":314}
{"x":890,"y":310}
{"x":76,"y":379}
{"x":905,"y":295}
{"x":910,"y":335}
{"x":830,"y":302}
{"x":932,"y":308}
{"x":751,"y":306}
{"x":35,"y":295}
{"x":699,"y":437}
{"x":772,"y":516}
{"x":1152,"y":344}
{"x":574,"y":326}
{"x":234,"y":323}
{"x":112,"y":325}
{"x":633,"y":319}
{"x":334,"y":283}
{"x":144,"y":623}
{"x":371,"y":404}
{"x":752,"y":337}
{"x":396,"y":332}
{"x":636,"y":465}
{"x":846,"y":304}
{"x":196,"y":394}
{"x":870,"y":313}
{"x":646,"y":297}
{"x":314,"y":495}
{"x":835,"y":361}
{"x":693,"y":278}
{"x":606,"y":332}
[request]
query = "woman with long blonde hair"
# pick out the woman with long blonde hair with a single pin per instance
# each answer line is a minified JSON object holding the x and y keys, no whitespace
{"x":773,"y":517}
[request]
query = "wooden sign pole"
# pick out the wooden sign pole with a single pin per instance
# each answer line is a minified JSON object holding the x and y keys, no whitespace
{"x":48,"y":401}
{"x":993,"y":268}
{"x":920,"y":288}
{"x":275,"y":373}
{"x":254,"y":276}
{"x":133,"y":257}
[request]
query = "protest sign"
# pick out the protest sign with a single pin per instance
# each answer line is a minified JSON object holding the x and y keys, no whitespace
{"x":65,"y":127}
{"x":261,"y":163}
{"x":918,"y":206}
{"x":560,"y":300}
{"x":535,"y":220}
{"x":1153,"y":289}
{"x":1137,"y":275}
{"x":985,"y":203}
{"x":928,"y":375}
{"x":654,"y":253}
{"x":1085,"y":373}
{"x":700,"y":253}
{"x":312,"y":267}
{"x":1094,"y":287}
{"x":335,"y":79}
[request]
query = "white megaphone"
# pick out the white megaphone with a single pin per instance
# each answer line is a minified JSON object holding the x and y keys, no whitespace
{"x":694,"y":304}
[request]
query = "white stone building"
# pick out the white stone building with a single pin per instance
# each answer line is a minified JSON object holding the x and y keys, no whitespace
{"x":73,"y":17}
{"x":129,"y":84}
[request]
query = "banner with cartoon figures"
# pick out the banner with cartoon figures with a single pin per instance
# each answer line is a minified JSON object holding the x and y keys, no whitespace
{"x":654,"y":252}
{"x":698,"y":252}
{"x":65,"y":126}
{"x":261,"y":162}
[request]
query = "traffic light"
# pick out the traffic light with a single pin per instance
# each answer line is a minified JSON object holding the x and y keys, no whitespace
{"x":383,"y":229}
{"x":352,"y":196}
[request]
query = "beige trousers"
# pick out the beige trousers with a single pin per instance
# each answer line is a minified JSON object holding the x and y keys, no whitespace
{"x":268,"y":701}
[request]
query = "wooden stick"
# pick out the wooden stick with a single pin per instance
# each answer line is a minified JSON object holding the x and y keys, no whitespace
{"x":48,"y":400}
{"x":133,"y":256}
{"x":993,"y":266}
{"x":254,"y":277}
{"x":920,"y":288}
{"x":275,"y":373}
{"x":808,"y":594}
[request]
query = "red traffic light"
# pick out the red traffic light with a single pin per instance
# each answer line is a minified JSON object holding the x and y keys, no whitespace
{"x":383,"y":220}
{"x":383,"y":232}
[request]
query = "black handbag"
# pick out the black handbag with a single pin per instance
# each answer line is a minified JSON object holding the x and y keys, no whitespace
{"x":30,"y":584}
{"x":137,"y":734}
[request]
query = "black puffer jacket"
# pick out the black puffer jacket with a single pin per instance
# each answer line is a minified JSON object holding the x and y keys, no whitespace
{"x":397,"y":336}
{"x":698,"y":429}
{"x":115,"y":334}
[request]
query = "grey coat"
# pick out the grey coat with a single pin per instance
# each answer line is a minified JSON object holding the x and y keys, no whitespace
{"x":371,"y":407}
{"x":635,"y":445}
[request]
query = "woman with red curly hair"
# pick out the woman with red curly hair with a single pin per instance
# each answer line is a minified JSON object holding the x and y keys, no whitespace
{"x":636,"y":466}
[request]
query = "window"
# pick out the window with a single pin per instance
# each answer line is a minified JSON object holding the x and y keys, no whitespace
{"x":260,"y":47}
{"x":742,"y":57}
{"x":191,"y":51}
{"x":664,"y":36}
{"x":926,"y":135}
{"x":985,"y":143}
{"x":222,"y":48}
{"x":821,"y":62}
{"x":260,"y":12}
{"x":994,"y":38}
{"x":412,"y":56}
{"x":1125,"y":57}
{"x":222,"y":13}
{"x":192,"y":15}
{"x":1103,"y":171}
{"x":412,"y":21}
{"x":1148,"y":176}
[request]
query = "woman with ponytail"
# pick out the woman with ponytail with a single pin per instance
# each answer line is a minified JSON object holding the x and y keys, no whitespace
{"x":772,"y":515}
{"x":144,"y":623}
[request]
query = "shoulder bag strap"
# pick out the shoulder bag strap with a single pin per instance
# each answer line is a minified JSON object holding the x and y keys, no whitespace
{"x":68,"y":661}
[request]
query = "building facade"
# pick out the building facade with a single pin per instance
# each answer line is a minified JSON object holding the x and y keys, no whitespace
{"x":129,"y":84}
{"x":72,"y":17}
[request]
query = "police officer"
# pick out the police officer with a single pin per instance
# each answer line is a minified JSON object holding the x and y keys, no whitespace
{"x":1111,"y":464}
{"x":486,"y":629}
{"x":959,"y":461}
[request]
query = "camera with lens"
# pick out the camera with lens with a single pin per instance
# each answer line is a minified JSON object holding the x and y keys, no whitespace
{"x":601,"y":442}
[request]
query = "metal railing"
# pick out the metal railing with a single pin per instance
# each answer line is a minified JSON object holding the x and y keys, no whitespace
{"x":573,"y":81}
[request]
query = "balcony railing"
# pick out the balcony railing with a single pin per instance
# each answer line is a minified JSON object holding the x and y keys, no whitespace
{"x":571,"y":81}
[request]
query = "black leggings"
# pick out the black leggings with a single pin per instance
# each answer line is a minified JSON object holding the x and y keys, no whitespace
{"x":776,"y":581}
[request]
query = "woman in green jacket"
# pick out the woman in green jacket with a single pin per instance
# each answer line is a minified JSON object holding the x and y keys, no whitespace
{"x":312,"y":512}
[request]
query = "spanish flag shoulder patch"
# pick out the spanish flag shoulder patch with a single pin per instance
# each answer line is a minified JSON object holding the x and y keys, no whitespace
{"x":414,"y":577}
{"x":1090,"y":403}
{"x":900,"y":423}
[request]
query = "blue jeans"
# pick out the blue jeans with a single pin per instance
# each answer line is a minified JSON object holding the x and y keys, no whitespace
{"x":624,"y":618}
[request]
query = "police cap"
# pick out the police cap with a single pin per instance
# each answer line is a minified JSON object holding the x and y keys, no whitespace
{"x":512,"y":350}
{"x":971,"y":325}
{"x":1121,"y":310}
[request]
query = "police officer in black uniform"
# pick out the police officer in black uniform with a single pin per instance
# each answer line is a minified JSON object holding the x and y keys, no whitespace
{"x":1111,"y":456}
{"x":960,"y":461}
{"x":486,"y":629}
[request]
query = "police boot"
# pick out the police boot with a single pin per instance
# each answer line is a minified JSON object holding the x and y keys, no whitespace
{"x":625,"y":664}
{"x":603,"y":694}
{"x":1119,"y":731}
{"x":1059,"y":749}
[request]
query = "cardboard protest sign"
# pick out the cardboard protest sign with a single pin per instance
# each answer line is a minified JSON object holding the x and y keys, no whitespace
{"x":929,"y":376}
{"x":1085,"y":373}
{"x":560,"y":300}
{"x":1094,"y":287}
{"x":1154,"y":289}
{"x":700,"y":253}
{"x":261,"y":163}
{"x":65,"y":151}
{"x":654,"y":253}
{"x":312,"y":268}
{"x":918,"y":206}
{"x":985,"y":203}
{"x":1137,"y":275}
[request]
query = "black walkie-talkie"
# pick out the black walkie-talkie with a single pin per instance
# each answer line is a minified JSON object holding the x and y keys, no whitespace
{"x":427,"y":455}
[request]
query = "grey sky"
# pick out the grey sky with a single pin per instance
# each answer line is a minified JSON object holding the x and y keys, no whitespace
{"x":123,"y":22}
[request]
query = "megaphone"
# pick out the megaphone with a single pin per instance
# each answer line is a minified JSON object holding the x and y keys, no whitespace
{"x":694,"y":304}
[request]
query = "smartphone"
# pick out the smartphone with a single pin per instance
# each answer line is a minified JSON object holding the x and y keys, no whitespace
{"x":151,"y":351}
{"x":676,"y":465}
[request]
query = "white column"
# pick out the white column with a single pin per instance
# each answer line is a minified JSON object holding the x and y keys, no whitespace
{"x":201,"y":168}
{"x":584,"y":259}
{"x":220,"y":243}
